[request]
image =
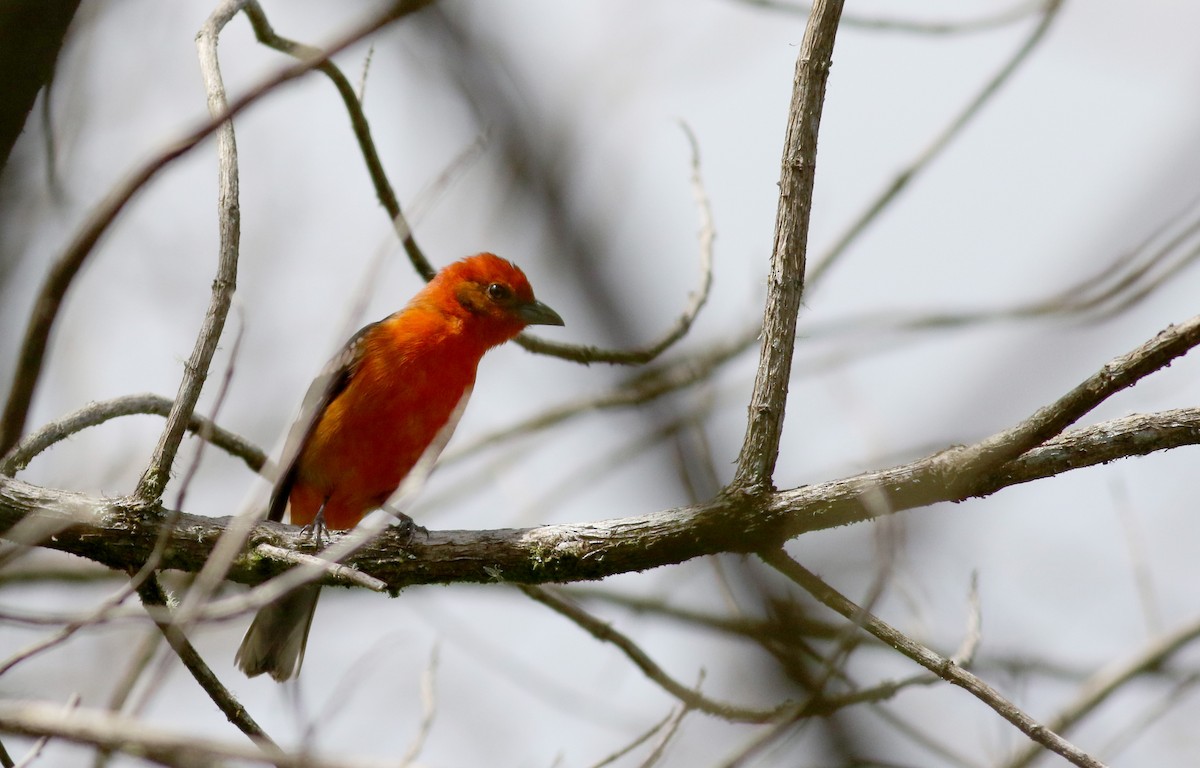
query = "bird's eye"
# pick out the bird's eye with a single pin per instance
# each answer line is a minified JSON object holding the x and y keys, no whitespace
{"x":499,"y":292}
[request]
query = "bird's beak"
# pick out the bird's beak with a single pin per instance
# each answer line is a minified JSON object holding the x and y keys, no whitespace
{"x":537,"y":313}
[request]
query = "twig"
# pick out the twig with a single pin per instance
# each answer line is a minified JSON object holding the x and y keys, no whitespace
{"x":152,"y":594}
{"x":266,"y":35}
{"x":606,"y":633}
{"x":428,"y":710}
{"x":336,"y":571}
{"x":785,"y":283}
{"x":643,"y":388}
{"x":1133,"y":728}
{"x":696,"y":301}
{"x":66,"y":267}
{"x":961,"y":467}
{"x":939,"y":665}
{"x":881,"y":24}
{"x":95,"y":414}
{"x":122,"y":734}
{"x":923,"y":160}
{"x":229,"y":226}
{"x":387,"y":197}
{"x":637,"y":742}
{"x":36,"y":750}
{"x":921,"y":738}
{"x":667,"y":734}
{"x":759,"y":630}
{"x":1107,"y":681}
{"x":138,"y":664}
{"x":974,"y":634}
{"x":193,"y":467}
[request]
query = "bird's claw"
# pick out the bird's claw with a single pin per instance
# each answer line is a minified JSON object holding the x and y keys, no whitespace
{"x":316,"y":531}
{"x":407,"y":527}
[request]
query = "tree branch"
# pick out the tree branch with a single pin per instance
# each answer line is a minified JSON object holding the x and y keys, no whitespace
{"x":153,"y":596}
{"x":121,"y":535}
{"x":229,"y":227}
{"x":939,"y":665}
{"x":785,"y":284}
{"x":62,"y":273}
{"x":124,"y":734}
{"x":689,"y":698}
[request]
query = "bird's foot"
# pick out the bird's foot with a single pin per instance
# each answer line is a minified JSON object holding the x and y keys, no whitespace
{"x":316,"y":531}
{"x":407,"y":527}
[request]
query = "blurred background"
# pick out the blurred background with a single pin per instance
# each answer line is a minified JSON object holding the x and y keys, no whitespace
{"x":549,"y":133}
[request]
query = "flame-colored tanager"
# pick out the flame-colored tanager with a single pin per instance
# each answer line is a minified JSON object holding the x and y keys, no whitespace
{"x":390,"y":395}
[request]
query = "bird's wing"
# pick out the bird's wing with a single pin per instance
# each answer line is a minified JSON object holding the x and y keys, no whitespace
{"x":330,"y":383}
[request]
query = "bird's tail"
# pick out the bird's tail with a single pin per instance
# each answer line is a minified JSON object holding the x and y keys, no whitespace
{"x":275,"y":641}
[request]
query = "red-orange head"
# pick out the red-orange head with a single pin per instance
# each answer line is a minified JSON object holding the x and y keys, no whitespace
{"x":490,"y":295}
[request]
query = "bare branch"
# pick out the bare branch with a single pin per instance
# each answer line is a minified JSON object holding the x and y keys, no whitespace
{"x":935,"y":148}
{"x":122,"y":734}
{"x":939,"y":665}
{"x":696,"y":301}
{"x":95,"y":414}
{"x":229,"y":226}
{"x":362,"y":130}
{"x":335,"y":571}
{"x":152,"y":595}
{"x":961,"y":467}
{"x":1107,"y":681}
{"x":881,"y":24}
{"x":66,"y":267}
{"x":428,"y":710}
{"x":637,"y":742}
{"x":114,"y":533}
{"x":785,"y":284}
{"x":690,"y":698}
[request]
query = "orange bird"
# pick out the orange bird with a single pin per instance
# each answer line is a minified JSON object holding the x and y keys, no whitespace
{"x":393,"y":392}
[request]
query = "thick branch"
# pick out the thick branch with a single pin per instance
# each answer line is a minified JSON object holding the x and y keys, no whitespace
{"x":119,"y":534}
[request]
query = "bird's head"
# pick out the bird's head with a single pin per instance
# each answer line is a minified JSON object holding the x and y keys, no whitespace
{"x":493,"y":295}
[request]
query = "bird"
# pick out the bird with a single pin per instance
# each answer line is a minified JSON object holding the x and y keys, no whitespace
{"x":393,"y":393}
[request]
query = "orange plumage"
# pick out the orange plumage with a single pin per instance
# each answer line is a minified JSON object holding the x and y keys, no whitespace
{"x":382,"y":402}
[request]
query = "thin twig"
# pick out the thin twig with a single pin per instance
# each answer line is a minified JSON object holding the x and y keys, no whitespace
{"x":939,"y":665}
{"x":1107,"y":681}
{"x":62,"y":273}
{"x":667,"y":734}
{"x":922,"y":739}
{"x":882,"y":24}
{"x":152,"y":594}
{"x":683,"y":323}
{"x":139,"y":662}
{"x":637,"y":742}
{"x":97,"y":413}
{"x":428,"y":710}
{"x":606,"y":633}
{"x":36,"y":750}
{"x":935,"y":148}
{"x":1135,"y":727}
{"x":123,"y":734}
{"x":974,"y":634}
{"x":266,"y":35}
{"x":337,"y":571}
{"x":387,"y":197}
